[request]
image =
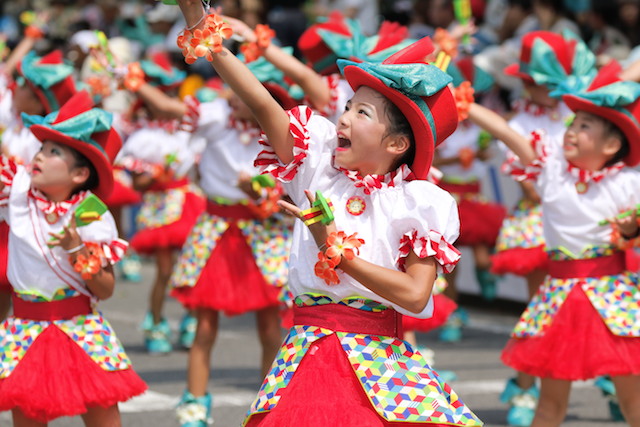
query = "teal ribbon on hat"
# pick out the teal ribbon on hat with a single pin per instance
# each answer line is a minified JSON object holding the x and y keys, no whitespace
{"x":80,"y":127}
{"x":482,"y":81}
{"x":545,"y":69}
{"x":357,"y":45}
{"x":160,"y":76}
{"x":44,"y":76}
{"x":265,"y":71}
{"x":615,"y":96}
{"x":412,"y":80}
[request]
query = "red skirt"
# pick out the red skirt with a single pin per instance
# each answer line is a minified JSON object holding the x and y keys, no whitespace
{"x":443,"y":306}
{"x":315,"y":399}
{"x":520,"y":261}
{"x":577,"y":346}
{"x":170,"y":236}
{"x":5,"y":286}
{"x":230,"y":281}
{"x":56,"y":378}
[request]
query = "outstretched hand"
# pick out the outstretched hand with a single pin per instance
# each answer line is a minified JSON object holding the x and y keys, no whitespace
{"x":68,"y":238}
{"x":319,"y":230}
{"x":628,"y":225}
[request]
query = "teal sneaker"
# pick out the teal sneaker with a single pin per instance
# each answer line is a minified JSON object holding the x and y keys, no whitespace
{"x":522,"y":403}
{"x":609,"y":391}
{"x":488,"y":283}
{"x":194,"y":411}
{"x":131,"y":268}
{"x":188,"y":327}
{"x":157,"y":338}
{"x":451,"y":331}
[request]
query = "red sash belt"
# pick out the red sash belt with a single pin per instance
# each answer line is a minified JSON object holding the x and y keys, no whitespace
{"x":338,"y":317}
{"x":169,"y":185}
{"x":591,"y":267}
{"x":237,"y":211}
{"x":470,"y":187}
{"x":51,"y":310}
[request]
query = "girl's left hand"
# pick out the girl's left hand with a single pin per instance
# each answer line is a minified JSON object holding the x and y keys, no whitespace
{"x":319,"y":231}
{"x":628,"y":225}
{"x":68,"y":238}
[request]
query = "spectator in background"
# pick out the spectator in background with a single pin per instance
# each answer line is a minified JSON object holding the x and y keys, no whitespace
{"x":288,"y":20}
{"x":366,"y":12}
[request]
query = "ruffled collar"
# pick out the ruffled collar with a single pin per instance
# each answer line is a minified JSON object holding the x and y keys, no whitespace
{"x":247,"y":130}
{"x":374,"y":182}
{"x":585,"y":177}
{"x":54,"y":210}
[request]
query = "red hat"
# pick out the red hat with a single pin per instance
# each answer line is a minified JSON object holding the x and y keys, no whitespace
{"x":50,"y":78}
{"x":418,"y":89}
{"x":314,"y":49}
{"x":616,"y":101}
{"x":564,"y":49}
{"x":85,"y":129}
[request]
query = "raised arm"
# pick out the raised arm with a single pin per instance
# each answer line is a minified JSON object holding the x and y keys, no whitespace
{"x":163,"y":105}
{"x":499,"y":128}
{"x":273,"y":120}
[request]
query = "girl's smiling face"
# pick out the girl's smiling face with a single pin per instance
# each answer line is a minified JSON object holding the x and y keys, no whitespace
{"x":364,"y":144}
{"x":54,"y":171}
{"x":586,"y":144}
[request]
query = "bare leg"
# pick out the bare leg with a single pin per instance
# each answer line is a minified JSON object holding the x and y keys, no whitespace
{"x":21,"y":420}
{"x":534,"y":280}
{"x":5,"y":304}
{"x":451,"y":290}
{"x":198,"y":370}
{"x":270,"y":334}
{"x":102,"y":417}
{"x":628,"y":392}
{"x":482,"y":256}
{"x":164,"y":266}
{"x":553,"y":403}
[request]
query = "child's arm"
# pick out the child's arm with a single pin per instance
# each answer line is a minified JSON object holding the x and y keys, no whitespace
{"x":102,"y":283}
{"x":271,"y":117}
{"x":162,"y":105}
{"x":499,"y":128}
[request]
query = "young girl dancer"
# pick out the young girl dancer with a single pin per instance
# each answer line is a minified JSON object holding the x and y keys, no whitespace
{"x":400,"y":230}
{"x":58,"y":355}
{"x":582,"y":323}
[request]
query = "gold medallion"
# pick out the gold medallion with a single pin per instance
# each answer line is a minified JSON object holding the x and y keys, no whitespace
{"x":356,"y":205}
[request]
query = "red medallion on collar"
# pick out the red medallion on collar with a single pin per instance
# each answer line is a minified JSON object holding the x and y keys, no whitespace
{"x":356,"y":205}
{"x":54,"y":210}
{"x":585,"y":177}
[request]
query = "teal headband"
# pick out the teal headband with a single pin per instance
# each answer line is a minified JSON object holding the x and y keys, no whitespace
{"x":80,"y":127}
{"x":44,"y":76}
{"x":414,"y":81}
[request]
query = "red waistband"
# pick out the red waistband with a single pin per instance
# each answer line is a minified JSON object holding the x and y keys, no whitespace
{"x":237,"y":211}
{"x":590,"y":267}
{"x":338,"y":317}
{"x":160,"y":186}
{"x":470,"y":187}
{"x":51,"y":310}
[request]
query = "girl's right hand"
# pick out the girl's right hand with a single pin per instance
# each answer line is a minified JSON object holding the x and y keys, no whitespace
{"x":319,"y":231}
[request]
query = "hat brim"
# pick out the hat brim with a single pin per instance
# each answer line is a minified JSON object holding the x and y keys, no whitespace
{"x":95,"y":156}
{"x":423,"y":138}
{"x":514,"y":71}
{"x":624,"y":123}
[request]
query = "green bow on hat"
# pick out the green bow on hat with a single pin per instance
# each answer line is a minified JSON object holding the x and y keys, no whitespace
{"x":160,"y":76}
{"x":545,"y":69}
{"x":357,"y":45}
{"x":266,"y":72}
{"x":80,"y":127}
{"x":616,"y":96}
{"x":44,"y":75}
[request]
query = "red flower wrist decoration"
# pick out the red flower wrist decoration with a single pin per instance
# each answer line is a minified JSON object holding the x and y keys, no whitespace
{"x":621,"y":242}
{"x":464,"y":98}
{"x":338,"y":245}
{"x":254,"y":50}
{"x":466,"y":155}
{"x":89,"y":265}
{"x":33,"y":32}
{"x":447,"y":44}
{"x":135,"y":77}
{"x":204,"y":42}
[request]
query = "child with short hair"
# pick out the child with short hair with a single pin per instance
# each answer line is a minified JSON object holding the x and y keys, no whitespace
{"x":351,"y":286}
{"x":58,"y":355}
{"x":582,"y":322}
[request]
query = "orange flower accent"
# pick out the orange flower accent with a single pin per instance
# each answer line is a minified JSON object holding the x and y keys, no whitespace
{"x":447,"y":44}
{"x":134,"y":78}
{"x":466,"y":155}
{"x":99,"y":85}
{"x":251,"y":52}
{"x":325,"y":269}
{"x":340,"y":245}
{"x":464,"y":98}
{"x":87,"y":266}
{"x":94,"y":249}
{"x":204,"y":42}
{"x":33,"y":32}
{"x":254,"y":50}
{"x":269,"y":205}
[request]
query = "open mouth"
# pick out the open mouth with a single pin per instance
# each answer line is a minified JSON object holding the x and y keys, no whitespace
{"x":344,"y":143}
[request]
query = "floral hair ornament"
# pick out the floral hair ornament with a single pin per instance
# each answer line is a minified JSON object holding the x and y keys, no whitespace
{"x":254,"y":50}
{"x":321,"y":210}
{"x":88,"y":265}
{"x":614,"y":100}
{"x":418,"y":89}
{"x":338,"y":245}
{"x":204,"y":42}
